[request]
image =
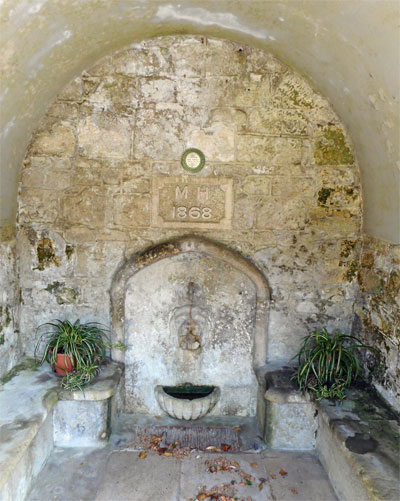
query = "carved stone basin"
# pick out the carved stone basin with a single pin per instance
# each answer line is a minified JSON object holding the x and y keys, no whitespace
{"x":187,"y":402}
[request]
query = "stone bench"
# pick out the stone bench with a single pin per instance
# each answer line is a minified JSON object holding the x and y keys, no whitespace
{"x":358,"y":444}
{"x":31,"y":404}
{"x":357,"y":441}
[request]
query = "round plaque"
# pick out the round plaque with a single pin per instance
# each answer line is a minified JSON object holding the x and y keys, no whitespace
{"x":193,"y":160}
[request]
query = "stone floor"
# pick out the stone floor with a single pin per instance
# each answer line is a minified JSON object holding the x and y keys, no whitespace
{"x":122,"y":475}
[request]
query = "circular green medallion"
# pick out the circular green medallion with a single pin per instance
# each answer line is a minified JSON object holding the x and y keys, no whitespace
{"x":193,"y":160}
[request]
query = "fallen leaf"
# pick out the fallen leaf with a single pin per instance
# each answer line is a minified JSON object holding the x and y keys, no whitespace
{"x":262,"y":480}
{"x":142,"y":455}
{"x":158,"y":417}
{"x":272,"y":475}
{"x":201,"y":497}
{"x":212,"y":448}
{"x":293,"y":491}
{"x":225,"y":447}
{"x":161,"y":450}
{"x":247,"y":481}
{"x":261,"y":486}
{"x":235,"y":464}
{"x":236,"y":428}
{"x":283,"y":473}
{"x":254,"y":465}
{"x":167,"y":454}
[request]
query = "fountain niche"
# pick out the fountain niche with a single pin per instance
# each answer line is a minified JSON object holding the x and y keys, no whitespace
{"x":193,"y":316}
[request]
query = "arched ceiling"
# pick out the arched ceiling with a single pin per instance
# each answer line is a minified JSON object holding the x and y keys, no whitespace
{"x":348,"y":49}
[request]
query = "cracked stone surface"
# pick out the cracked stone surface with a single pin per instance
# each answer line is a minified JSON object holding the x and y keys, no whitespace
{"x":104,"y":474}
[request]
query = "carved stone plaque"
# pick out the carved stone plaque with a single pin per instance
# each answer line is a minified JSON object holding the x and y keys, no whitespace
{"x":186,"y":202}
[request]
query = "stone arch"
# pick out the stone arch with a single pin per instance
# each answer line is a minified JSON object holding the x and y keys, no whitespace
{"x":209,"y":248}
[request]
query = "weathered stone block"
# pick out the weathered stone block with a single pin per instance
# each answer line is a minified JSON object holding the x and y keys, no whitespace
{"x":132,"y":211}
{"x":104,"y":135}
{"x":281,"y":213}
{"x":59,"y":141}
{"x":244,"y":212}
{"x":261,"y":63}
{"x":255,"y":148}
{"x":188,"y":58}
{"x":169,"y":145}
{"x":136,"y":61}
{"x":62,"y":110}
{"x":256,"y":185}
{"x":338,"y":224}
{"x":38,"y":205}
{"x":331,"y":147}
{"x":158,"y":90}
{"x":224,"y":58}
{"x":216,"y":142}
{"x":116,"y":94}
{"x":291,"y":91}
{"x":293,"y":187}
{"x":86,"y":207}
{"x":191,"y":92}
{"x":46,"y":177}
{"x":278,"y":122}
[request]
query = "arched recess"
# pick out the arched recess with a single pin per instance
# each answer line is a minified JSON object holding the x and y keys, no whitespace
{"x":208,"y":248}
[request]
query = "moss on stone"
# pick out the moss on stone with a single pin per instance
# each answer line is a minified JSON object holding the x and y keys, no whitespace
{"x":323,"y":195}
{"x":351,"y":271}
{"x":7,"y":319}
{"x":69,"y":250}
{"x":63,"y":295}
{"x":27,"y":364}
{"x":46,"y":254}
{"x":368,"y":260}
{"x":393,"y":286}
{"x":331,"y":148}
{"x":346,"y":247}
{"x":2,"y":339}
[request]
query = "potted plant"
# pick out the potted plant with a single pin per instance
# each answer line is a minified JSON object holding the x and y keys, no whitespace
{"x":328,"y":363}
{"x":74,"y":350}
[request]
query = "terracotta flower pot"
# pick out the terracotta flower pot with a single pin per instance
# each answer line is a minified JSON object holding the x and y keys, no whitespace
{"x":63,"y":364}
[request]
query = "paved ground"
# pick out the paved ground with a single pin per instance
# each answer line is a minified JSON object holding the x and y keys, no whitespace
{"x":125,"y":475}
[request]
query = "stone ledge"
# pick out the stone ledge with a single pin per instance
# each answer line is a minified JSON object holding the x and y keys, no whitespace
{"x":358,"y":443}
{"x":25,"y":402}
{"x":281,"y":388}
{"x":290,"y":422}
{"x":102,"y":388}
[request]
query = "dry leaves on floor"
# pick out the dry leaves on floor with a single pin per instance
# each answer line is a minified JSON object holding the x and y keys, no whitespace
{"x":224,"y":492}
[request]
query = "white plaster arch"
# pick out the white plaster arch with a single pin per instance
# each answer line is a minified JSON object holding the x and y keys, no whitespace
{"x":353,"y":64}
{"x":200,"y":245}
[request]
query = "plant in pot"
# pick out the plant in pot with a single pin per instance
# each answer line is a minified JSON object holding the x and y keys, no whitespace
{"x":328,"y":364}
{"x":74,"y":350}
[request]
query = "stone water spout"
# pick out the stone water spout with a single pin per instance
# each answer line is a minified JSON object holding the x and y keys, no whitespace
{"x":189,"y":321}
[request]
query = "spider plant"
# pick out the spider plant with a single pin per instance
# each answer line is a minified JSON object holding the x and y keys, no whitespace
{"x":82,"y":343}
{"x":80,"y":379}
{"x":85,"y":345}
{"x":328,"y":363}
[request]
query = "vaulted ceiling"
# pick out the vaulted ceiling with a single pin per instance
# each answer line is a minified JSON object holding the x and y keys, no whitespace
{"x":349,"y":50}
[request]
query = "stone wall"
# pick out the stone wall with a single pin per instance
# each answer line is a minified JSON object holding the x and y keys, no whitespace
{"x":89,"y":182}
{"x":378,"y":314}
{"x":9,"y":302}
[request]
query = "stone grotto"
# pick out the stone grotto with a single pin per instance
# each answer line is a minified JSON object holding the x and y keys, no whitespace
{"x":211,"y":181}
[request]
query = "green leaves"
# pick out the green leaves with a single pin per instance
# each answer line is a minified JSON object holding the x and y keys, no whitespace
{"x":85,"y":345}
{"x":328,"y":364}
